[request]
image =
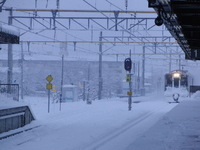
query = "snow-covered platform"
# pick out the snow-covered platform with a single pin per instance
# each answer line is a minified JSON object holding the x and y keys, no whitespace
{"x":177,"y":130}
{"x":152,"y":124}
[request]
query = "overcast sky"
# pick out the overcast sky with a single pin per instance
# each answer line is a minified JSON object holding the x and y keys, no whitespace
{"x":80,"y":4}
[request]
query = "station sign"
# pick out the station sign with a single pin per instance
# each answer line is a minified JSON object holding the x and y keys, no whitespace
{"x":195,"y":54}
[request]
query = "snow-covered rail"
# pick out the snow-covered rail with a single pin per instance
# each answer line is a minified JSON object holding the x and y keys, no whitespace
{"x":103,"y":140}
{"x":123,"y":136}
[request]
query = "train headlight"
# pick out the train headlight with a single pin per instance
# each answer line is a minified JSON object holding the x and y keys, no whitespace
{"x":176,"y":75}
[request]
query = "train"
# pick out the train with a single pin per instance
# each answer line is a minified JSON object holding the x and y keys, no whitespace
{"x":177,"y":81}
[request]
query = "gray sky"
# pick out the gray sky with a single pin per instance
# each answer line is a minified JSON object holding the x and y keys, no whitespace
{"x":80,"y":4}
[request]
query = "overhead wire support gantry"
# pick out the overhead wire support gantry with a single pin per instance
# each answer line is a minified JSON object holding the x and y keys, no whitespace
{"x":84,"y":23}
{"x":85,"y":11}
{"x":1,"y":4}
{"x":122,"y":42}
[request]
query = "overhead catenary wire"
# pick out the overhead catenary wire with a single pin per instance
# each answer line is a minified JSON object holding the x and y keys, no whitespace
{"x":82,"y":11}
{"x":66,"y":33}
{"x":145,"y":54}
{"x":94,"y":11}
{"x":108,"y":18}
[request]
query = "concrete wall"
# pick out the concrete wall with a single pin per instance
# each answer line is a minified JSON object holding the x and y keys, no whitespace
{"x":75,"y":72}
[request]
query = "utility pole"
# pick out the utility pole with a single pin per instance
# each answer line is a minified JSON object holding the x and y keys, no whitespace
{"x":100,"y":67}
{"x":130,"y":89}
{"x":170,"y":61}
{"x":126,"y":4}
{"x":10,"y":57}
{"x":143,"y":71}
{"x":35,"y":3}
{"x":58,"y":6}
{"x":22,"y":71}
{"x":84,"y":90}
{"x":88,"y":86}
{"x":61,"y":88}
{"x":138,"y":78}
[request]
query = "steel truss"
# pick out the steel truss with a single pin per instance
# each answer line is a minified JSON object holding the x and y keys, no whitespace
{"x":151,"y":39}
{"x":1,"y":4}
{"x":112,"y":42}
{"x":49,"y":19}
{"x":83,"y":23}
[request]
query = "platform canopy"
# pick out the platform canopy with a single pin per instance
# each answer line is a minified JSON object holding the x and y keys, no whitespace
{"x":9,"y":35}
{"x":181,"y":17}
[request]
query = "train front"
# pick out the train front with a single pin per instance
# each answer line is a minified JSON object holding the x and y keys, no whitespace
{"x":176,"y":82}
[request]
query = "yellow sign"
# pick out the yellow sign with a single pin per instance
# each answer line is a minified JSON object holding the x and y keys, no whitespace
{"x":49,"y":78}
{"x":54,"y":89}
{"x":49,"y":86}
{"x":129,"y":93}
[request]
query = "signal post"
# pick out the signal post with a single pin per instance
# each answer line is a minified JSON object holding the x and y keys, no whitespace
{"x":128,"y":67}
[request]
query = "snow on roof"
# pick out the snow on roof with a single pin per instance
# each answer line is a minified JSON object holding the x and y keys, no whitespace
{"x":9,"y":29}
{"x":69,"y":85}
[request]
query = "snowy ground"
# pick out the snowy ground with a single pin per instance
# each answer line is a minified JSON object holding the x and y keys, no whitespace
{"x":107,"y":125}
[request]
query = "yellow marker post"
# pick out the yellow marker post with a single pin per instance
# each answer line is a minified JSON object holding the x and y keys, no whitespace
{"x":49,"y":86}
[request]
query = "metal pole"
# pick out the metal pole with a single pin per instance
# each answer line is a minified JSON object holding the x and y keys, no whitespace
{"x":116,"y":13}
{"x":88,"y":87}
{"x":100,"y":67}
{"x":170,"y":61}
{"x":130,"y":95}
{"x":18,"y":92}
{"x":61,"y":88}
{"x":138,"y":78}
{"x":35,"y":3}
{"x":35,"y":7}
{"x":83,"y":90}
{"x":48,"y":101}
{"x":58,"y":4}
{"x":130,"y":90}
{"x":126,"y":4}
{"x":143,"y":71}
{"x":10,"y":57}
{"x":22,"y":71}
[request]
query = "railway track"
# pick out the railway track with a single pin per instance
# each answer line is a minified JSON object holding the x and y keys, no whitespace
{"x":125,"y":134}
